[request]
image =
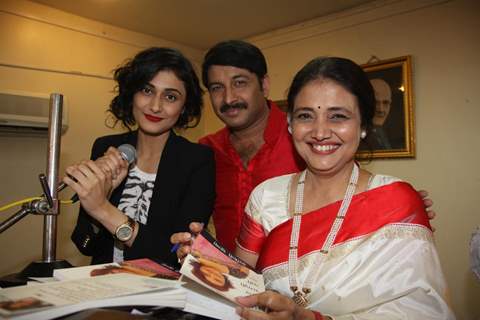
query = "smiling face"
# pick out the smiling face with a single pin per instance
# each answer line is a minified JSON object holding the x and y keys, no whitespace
{"x":237,"y":96}
{"x":157,"y":106}
{"x":326,"y":126}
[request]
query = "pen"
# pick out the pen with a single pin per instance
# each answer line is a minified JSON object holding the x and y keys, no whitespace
{"x":175,"y":247}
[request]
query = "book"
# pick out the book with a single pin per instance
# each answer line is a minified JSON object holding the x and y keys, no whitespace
{"x":218,"y":271}
{"x":143,"y":267}
{"x":54,"y":299}
{"x":202,"y":301}
{"x":207,"y":284}
{"x":195,"y":299}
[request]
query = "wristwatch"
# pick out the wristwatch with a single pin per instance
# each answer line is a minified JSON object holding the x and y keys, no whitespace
{"x":124,"y":232}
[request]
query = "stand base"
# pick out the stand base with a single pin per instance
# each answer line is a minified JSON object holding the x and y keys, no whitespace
{"x":12,"y":280}
{"x":34,"y":269}
{"x":43,"y":269}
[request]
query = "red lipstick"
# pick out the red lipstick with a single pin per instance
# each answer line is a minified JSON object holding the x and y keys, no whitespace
{"x":152,"y":118}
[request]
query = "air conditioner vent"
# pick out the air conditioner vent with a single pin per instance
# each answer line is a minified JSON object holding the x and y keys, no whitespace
{"x":26,"y":111}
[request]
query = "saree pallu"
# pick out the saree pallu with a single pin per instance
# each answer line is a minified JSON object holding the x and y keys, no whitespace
{"x":383,"y":263}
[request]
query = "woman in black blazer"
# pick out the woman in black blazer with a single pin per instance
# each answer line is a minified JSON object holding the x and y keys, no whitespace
{"x":129,"y":212}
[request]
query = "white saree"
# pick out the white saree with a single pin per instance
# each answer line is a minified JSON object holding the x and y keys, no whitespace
{"x":383,"y":263}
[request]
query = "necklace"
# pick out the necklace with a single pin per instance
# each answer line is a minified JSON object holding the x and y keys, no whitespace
{"x":300,"y":295}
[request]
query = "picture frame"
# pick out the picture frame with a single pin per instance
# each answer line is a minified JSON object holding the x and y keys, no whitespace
{"x":393,"y":131}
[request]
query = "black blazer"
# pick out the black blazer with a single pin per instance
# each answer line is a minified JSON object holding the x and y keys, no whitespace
{"x":184,"y":191}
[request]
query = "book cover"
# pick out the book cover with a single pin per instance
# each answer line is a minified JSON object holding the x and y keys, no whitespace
{"x":213,"y":267}
{"x":142,"y":267}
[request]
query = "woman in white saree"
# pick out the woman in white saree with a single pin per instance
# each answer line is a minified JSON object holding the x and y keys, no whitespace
{"x":336,"y":241}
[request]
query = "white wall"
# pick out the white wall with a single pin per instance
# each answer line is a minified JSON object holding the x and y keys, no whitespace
{"x":43,"y":51}
{"x":443,"y":38}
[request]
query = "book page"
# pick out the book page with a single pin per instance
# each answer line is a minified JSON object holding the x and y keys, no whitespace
{"x":201,"y":300}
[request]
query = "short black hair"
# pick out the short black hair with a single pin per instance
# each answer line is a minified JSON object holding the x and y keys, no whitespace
{"x":137,"y":72}
{"x":344,"y":72}
{"x":235,"y":53}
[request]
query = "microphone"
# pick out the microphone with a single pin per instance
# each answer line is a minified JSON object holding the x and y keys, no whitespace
{"x":127,"y":152}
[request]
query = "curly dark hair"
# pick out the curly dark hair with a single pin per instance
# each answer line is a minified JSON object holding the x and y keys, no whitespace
{"x":344,"y":72}
{"x":137,"y":72}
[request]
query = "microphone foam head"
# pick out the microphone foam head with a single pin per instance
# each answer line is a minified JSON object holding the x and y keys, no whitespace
{"x":128,"y":152}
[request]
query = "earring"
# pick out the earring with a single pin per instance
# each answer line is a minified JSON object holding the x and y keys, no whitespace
{"x":289,"y":121}
{"x":363,"y":134}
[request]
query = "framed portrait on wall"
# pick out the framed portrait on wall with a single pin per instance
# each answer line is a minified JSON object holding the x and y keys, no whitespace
{"x":392,"y":134}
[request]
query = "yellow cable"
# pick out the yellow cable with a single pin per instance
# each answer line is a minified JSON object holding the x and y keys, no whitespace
{"x":17,"y":203}
{"x":20,"y":202}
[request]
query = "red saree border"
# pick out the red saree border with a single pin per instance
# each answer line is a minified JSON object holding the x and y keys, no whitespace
{"x":397,"y":202}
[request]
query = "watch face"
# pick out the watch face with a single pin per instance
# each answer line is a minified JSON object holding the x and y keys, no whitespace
{"x":124,"y":233}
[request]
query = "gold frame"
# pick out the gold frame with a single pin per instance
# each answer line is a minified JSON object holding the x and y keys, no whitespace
{"x":408,"y":148}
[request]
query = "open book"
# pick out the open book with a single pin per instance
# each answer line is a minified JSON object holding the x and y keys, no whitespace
{"x":54,"y":299}
{"x":219,"y":272}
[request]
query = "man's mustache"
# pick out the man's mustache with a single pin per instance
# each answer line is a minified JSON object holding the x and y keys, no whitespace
{"x":238,"y":105}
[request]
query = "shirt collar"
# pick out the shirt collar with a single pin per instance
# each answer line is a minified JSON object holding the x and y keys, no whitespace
{"x":276,"y":123}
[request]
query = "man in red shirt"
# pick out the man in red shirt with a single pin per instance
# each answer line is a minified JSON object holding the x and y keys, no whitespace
{"x":254,"y":145}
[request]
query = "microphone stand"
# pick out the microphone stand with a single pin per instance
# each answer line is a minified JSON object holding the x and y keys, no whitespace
{"x":47,"y":206}
{"x":37,"y":206}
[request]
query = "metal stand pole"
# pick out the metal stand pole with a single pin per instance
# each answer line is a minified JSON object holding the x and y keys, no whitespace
{"x":49,"y":206}
{"x":53,"y":158}
{"x":45,"y":267}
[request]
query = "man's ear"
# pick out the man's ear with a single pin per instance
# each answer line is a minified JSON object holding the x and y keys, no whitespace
{"x":266,"y":85}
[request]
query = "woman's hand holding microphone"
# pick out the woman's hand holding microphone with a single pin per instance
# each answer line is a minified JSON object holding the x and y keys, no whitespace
{"x":93,"y":181}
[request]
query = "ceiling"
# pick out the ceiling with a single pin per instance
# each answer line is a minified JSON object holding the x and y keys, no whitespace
{"x":201,"y":23}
